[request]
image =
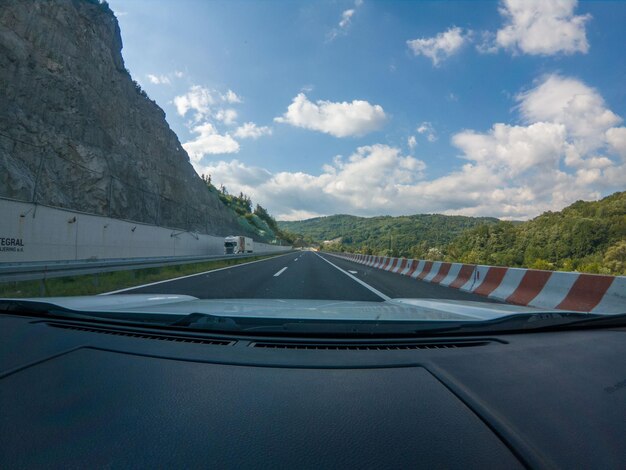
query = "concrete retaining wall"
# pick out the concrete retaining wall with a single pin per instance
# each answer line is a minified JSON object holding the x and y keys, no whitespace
{"x":531,"y":287}
{"x":30,"y":232}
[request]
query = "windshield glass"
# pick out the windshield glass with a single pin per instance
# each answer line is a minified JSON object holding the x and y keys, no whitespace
{"x":352,"y":162}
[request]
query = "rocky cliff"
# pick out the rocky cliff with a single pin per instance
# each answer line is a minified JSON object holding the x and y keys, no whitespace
{"x":77,"y":132}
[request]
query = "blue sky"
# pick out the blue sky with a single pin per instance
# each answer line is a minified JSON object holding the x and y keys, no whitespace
{"x":504,"y":109}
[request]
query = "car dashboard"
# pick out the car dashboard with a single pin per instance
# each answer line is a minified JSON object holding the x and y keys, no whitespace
{"x":82,"y":394}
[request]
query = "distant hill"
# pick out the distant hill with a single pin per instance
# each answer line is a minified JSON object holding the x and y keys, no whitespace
{"x":411,"y":235}
{"x":586,"y":236}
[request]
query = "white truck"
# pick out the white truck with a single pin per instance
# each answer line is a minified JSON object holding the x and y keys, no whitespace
{"x":238,"y":244}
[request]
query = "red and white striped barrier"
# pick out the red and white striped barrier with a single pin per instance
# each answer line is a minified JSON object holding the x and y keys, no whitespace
{"x":544,"y":289}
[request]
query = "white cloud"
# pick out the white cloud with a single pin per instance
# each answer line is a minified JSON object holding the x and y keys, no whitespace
{"x":198,"y":99}
{"x":231,"y":97}
{"x":542,"y":27}
{"x":345,"y":18}
{"x":179,"y":74}
{"x":616,"y":138}
{"x":370,"y":180}
{"x":511,"y":150}
{"x":427,"y":129}
{"x":158,"y":79}
{"x":570,"y":102}
{"x":440,"y":47}
{"x":235,"y":174}
{"x":339,"y":119}
{"x":552,"y":161}
{"x":487,"y":43}
{"x":209,"y":142}
{"x":411,"y":142}
{"x":227,"y":116}
{"x":203,"y":101}
{"x":250,"y":130}
{"x":566,"y":148}
{"x":344,"y":22}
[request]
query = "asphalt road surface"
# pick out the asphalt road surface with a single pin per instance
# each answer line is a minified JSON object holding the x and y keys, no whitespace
{"x":302,"y":275}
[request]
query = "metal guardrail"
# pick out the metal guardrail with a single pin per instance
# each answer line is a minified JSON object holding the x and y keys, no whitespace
{"x":13,"y":272}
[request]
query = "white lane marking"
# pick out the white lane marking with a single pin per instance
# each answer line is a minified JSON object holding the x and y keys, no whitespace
{"x":352,"y":272}
{"x":280,"y":272}
{"x":191,"y":275}
{"x":364,"y":284}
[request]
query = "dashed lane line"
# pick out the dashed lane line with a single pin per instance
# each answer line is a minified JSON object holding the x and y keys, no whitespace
{"x":280,"y":272}
{"x":364,"y":284}
{"x":192,"y":275}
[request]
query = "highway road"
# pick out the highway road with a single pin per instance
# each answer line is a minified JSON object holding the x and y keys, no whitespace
{"x":302,"y":275}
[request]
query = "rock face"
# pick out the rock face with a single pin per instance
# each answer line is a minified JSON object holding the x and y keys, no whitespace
{"x":77,"y":132}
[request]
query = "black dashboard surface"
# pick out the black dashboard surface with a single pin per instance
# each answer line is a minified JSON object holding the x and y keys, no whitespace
{"x":84,"y":397}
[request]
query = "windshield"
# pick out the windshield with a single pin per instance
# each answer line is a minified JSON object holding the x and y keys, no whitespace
{"x":360,"y":164}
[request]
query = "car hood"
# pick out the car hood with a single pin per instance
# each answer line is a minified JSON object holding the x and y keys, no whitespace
{"x":395,"y":309}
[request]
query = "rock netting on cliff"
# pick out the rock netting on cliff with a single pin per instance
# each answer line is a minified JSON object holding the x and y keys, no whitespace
{"x":77,"y":132}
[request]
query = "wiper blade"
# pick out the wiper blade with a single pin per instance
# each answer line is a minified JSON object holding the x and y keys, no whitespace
{"x":535,"y":322}
{"x":207,"y":321}
{"x":221,"y":323}
{"x":53,"y":311}
{"x":599,"y":320}
{"x":29,"y":307}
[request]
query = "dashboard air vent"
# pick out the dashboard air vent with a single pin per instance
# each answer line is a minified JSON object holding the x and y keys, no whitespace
{"x":372,"y":346}
{"x":134,"y":334}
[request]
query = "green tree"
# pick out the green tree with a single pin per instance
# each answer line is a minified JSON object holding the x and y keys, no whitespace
{"x":615,"y":258}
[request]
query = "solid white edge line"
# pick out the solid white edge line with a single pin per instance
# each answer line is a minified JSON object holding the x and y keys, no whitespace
{"x":280,"y":272}
{"x":364,"y":284}
{"x":191,"y":275}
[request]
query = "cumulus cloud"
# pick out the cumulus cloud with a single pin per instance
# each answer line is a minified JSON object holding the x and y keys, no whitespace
{"x":427,"y":129}
{"x":616,"y":138}
{"x":209,"y":142}
{"x":556,"y":158}
{"x":344,"y":22}
{"x":568,"y":146}
{"x":411,"y":142}
{"x":198,"y":99}
{"x":213,"y":115}
{"x":227,"y":116}
{"x":345,"y":18}
{"x":540,"y":27}
{"x":158,"y":79}
{"x":368,"y":180}
{"x":202,"y":101}
{"x":231,"y":97}
{"x":236,"y":174}
{"x":578,"y":107}
{"x":439,"y":47}
{"x":250,"y":130}
{"x":338,"y":119}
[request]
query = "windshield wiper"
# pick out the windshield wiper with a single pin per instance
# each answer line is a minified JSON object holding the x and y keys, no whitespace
{"x":47,"y":310}
{"x":511,"y":323}
{"x":515,"y":323}
{"x":546,"y":321}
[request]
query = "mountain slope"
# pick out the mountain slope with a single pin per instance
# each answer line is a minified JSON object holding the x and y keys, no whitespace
{"x":585,"y":236}
{"x":406,"y":235}
{"x":77,"y":132}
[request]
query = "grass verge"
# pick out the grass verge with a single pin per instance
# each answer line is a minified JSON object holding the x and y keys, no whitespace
{"x":92,"y":284}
